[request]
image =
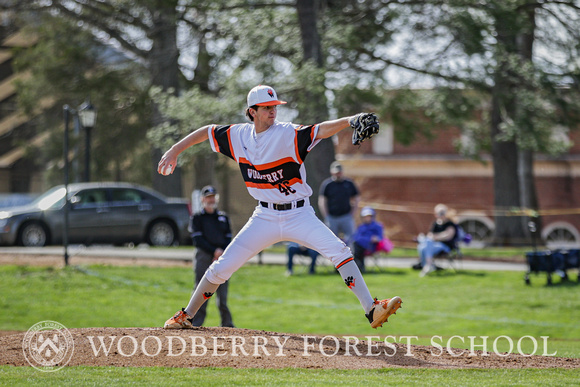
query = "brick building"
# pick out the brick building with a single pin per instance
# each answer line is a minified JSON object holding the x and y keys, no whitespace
{"x":405,"y":183}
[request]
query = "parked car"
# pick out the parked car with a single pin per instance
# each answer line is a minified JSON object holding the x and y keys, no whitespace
{"x":112,"y":213}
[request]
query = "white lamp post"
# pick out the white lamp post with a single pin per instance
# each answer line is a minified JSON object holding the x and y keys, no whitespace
{"x":88,"y":117}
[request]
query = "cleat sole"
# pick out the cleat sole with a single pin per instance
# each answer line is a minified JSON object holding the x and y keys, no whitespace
{"x":388,"y":309}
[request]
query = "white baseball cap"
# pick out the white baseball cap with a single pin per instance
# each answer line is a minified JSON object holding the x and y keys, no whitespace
{"x":367,"y":211}
{"x":263,"y":95}
{"x":335,"y":167}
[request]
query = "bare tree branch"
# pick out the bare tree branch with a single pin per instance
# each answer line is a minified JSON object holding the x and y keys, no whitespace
{"x":425,"y":71}
{"x":248,"y":5}
{"x":570,"y":4}
{"x":106,"y":10}
{"x":572,"y":30}
{"x":96,"y":23}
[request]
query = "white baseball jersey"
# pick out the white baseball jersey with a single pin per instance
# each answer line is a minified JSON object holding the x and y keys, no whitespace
{"x":272,"y":165}
{"x":271,"y":162}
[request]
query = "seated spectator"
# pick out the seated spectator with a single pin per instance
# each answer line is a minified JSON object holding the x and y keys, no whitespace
{"x":441,"y":238}
{"x":295,"y":248}
{"x":368,"y":238}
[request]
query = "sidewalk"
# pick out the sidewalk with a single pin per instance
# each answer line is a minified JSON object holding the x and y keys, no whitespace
{"x":405,"y":263}
{"x":145,"y":252}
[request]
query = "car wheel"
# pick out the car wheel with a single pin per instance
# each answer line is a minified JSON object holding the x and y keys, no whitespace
{"x":161,"y":233}
{"x":33,"y":235}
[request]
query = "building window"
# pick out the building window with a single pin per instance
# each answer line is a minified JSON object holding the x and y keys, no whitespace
{"x":480,"y":227}
{"x":561,"y":235}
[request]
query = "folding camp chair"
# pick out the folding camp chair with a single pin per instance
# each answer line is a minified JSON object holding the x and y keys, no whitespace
{"x":455,"y":256}
{"x":383,"y":247}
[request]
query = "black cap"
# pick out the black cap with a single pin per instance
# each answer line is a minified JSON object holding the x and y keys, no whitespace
{"x":208,"y":190}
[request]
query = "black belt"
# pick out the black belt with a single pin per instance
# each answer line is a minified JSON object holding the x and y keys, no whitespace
{"x":283,"y":207}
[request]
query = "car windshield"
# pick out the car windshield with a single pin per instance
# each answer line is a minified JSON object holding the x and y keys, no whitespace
{"x":50,"y":198}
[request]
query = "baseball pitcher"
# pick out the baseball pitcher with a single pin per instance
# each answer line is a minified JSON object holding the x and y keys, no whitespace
{"x":271,"y":156}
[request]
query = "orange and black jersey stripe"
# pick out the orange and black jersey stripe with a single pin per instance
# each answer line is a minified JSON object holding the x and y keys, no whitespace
{"x":276,"y":164}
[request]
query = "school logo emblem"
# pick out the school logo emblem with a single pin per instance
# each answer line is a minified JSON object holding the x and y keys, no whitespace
{"x":271,"y":93}
{"x":48,"y":346}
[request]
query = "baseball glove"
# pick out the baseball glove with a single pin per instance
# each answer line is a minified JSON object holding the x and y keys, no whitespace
{"x":365,"y":126}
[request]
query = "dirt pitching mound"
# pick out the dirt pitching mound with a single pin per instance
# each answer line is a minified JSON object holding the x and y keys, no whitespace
{"x":241,"y":348}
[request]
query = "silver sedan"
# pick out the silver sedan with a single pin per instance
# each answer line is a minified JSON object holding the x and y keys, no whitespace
{"x":112,"y":213}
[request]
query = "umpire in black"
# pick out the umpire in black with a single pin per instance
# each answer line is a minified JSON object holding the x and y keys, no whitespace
{"x":211,"y":232}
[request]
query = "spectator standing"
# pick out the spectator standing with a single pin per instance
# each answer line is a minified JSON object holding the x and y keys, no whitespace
{"x":211,"y":232}
{"x":337,"y":199}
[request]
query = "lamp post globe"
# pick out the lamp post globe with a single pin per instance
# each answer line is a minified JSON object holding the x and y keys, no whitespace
{"x":88,"y":117}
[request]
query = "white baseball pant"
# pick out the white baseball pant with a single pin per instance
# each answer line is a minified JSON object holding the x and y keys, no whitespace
{"x":268,"y":226}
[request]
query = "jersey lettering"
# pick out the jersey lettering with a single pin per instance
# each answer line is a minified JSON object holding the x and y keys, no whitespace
{"x":271,"y":177}
{"x":285,"y":188}
{"x":281,"y":176}
{"x":276,"y":172}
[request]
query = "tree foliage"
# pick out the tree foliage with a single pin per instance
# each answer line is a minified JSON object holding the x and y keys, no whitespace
{"x":508,"y":69}
{"x":506,"y":72}
{"x":68,"y":67}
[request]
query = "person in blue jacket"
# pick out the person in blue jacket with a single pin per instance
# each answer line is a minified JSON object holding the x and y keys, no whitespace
{"x":367,"y":236}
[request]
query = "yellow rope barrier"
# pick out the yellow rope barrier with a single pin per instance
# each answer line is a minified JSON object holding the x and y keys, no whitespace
{"x":422,"y":208}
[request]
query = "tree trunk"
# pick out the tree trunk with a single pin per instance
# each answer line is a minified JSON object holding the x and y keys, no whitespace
{"x":508,"y":229}
{"x":308,"y":20}
{"x":528,"y":193}
{"x":506,"y":186}
{"x":162,"y":60}
{"x":203,"y":69}
{"x":312,"y":108}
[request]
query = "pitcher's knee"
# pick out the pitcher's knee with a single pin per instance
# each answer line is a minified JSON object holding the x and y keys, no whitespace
{"x":217,"y":276}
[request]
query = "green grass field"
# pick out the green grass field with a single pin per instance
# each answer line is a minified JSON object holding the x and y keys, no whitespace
{"x":465,"y":304}
{"x":109,"y":376}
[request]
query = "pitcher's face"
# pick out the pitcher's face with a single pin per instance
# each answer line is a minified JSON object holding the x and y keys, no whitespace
{"x":265,"y":116}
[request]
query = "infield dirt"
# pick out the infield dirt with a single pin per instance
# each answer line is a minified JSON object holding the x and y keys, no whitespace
{"x":243,"y":348}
